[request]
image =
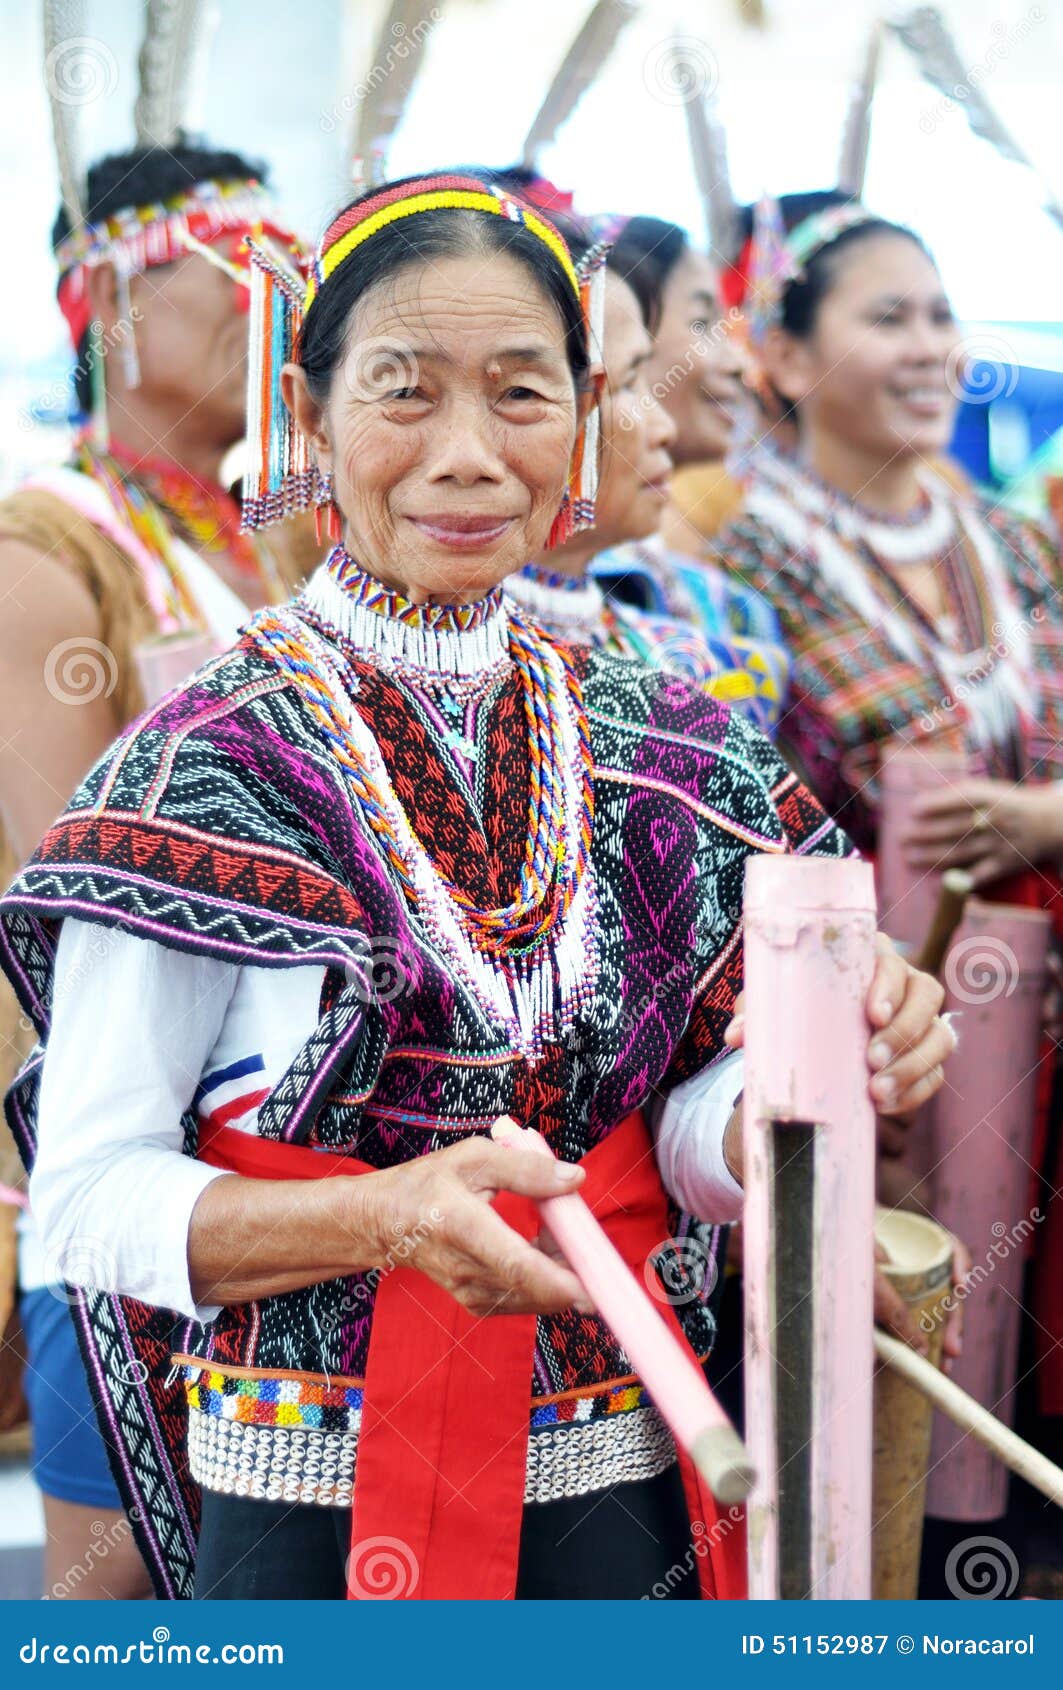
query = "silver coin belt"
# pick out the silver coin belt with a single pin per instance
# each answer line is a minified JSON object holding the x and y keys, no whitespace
{"x":306,"y":1465}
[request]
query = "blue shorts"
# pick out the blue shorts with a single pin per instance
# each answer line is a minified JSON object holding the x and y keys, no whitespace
{"x":69,"y":1457}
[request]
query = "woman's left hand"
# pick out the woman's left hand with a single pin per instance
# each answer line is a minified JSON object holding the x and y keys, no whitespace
{"x":909,"y":1041}
{"x":989,"y":827}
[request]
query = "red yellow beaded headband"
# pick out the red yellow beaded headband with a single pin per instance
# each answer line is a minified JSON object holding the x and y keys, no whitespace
{"x":280,"y":477}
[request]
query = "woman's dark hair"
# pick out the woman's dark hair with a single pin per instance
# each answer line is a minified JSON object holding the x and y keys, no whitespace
{"x":424,"y":239}
{"x":645,"y":253}
{"x":804,"y":295}
{"x":143,"y":176}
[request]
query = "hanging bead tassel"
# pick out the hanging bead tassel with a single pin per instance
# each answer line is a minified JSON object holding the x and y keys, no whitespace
{"x":279,"y":478}
{"x":577,"y":506}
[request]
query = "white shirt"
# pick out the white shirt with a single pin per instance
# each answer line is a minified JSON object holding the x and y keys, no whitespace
{"x":140,"y":1033}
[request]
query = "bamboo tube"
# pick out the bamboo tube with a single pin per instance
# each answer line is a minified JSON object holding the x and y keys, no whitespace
{"x":906,"y":895}
{"x":1005,"y":1444}
{"x":809,"y":1212}
{"x":667,"y":1369}
{"x":920,"y":1270}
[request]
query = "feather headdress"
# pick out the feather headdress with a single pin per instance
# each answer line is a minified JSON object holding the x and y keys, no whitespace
{"x":581,"y":64}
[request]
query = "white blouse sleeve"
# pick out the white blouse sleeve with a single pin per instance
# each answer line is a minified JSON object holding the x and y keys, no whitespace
{"x":133,"y":1025}
{"x":690,"y":1130}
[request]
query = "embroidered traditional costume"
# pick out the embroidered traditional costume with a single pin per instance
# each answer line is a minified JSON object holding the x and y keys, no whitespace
{"x":354,"y":775}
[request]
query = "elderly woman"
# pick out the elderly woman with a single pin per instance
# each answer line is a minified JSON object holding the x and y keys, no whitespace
{"x":395,"y":865}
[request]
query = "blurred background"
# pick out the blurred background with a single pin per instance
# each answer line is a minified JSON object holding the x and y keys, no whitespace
{"x":285,"y":82}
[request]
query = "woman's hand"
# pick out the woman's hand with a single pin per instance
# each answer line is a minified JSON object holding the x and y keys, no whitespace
{"x":912,"y":1042}
{"x":909,"y":1041}
{"x":442,"y":1202}
{"x":989,"y":827}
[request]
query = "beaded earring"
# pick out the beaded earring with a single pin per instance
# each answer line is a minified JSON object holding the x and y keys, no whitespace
{"x":326,"y":501}
{"x":577,"y":506}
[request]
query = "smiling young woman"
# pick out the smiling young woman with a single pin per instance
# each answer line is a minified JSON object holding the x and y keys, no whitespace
{"x":913,"y":607}
{"x":390,"y":868}
{"x":916,"y":612}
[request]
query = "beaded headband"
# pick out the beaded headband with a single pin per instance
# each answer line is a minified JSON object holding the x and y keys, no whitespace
{"x":280,"y":478}
{"x":139,"y":237}
{"x":772,"y":258}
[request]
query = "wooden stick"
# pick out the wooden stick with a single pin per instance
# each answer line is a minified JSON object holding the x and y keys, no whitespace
{"x":1009,"y":1448}
{"x":669,"y":1372}
{"x":956,"y":887}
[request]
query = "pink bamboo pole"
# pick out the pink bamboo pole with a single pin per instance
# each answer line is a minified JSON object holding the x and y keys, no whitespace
{"x":808,"y":1225}
{"x":666,"y":1368}
{"x":981,"y":1130}
{"x":907,"y":897}
{"x":163,"y":664}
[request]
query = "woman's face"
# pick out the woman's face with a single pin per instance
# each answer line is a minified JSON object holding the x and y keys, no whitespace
{"x":449,"y":426}
{"x":637,"y":433}
{"x":873,"y":372}
{"x":191,"y":343}
{"x":698,"y":363}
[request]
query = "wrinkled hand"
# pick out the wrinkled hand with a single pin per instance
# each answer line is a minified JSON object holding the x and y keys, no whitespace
{"x":434,"y":1213}
{"x":989,"y":827}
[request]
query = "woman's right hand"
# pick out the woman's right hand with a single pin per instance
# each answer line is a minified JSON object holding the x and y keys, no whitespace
{"x":434,"y":1213}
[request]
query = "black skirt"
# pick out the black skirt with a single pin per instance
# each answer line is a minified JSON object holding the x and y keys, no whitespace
{"x":623,"y":1544}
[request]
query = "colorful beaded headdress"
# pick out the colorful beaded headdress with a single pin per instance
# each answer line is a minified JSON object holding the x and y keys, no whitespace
{"x":771,"y":258}
{"x":203,"y":218}
{"x":280,"y":477}
{"x":142,"y":236}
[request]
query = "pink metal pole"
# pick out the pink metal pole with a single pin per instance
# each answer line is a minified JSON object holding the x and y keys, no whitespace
{"x":668,"y":1370}
{"x":981,"y":1135}
{"x":907,"y":897}
{"x":808,"y":1225}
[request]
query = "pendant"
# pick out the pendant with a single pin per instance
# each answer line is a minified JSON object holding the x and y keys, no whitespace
{"x":455,"y":740}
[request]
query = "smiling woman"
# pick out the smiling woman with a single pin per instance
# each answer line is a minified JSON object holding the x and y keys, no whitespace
{"x":395,"y":865}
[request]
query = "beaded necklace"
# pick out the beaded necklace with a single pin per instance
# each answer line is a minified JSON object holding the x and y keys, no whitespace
{"x":558,"y":845}
{"x":147,"y":500}
{"x":208,"y":515}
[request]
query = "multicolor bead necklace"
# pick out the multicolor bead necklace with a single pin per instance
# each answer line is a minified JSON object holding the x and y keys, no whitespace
{"x":557,"y":851}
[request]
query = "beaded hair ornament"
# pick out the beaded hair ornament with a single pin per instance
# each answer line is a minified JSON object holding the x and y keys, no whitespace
{"x":281,"y":477}
{"x":772,"y":259}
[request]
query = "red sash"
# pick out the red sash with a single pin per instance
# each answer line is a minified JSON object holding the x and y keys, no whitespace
{"x":439,"y":1478}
